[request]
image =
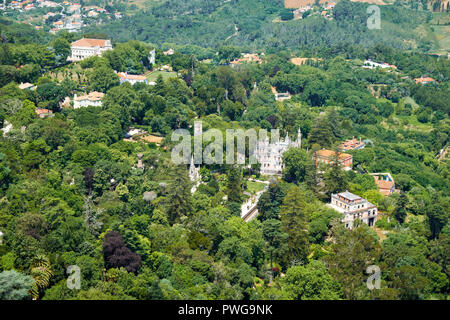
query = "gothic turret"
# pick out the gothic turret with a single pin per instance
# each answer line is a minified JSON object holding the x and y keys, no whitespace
{"x":193,"y":171}
{"x":299,"y":138}
{"x":269,"y":154}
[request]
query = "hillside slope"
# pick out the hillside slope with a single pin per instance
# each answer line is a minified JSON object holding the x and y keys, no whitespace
{"x":248,"y":23}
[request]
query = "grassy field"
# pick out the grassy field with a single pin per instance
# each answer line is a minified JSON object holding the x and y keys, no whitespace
{"x":442,"y":34}
{"x":165,"y":75}
{"x":413,"y":123}
{"x":440,"y":17}
{"x":411,"y":102}
{"x":254,"y":187}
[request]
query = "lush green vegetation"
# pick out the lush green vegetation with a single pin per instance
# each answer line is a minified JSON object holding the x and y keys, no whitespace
{"x":248,"y":24}
{"x":72,"y":193}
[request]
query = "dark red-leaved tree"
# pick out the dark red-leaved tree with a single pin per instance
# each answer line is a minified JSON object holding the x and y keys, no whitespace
{"x":118,"y":255}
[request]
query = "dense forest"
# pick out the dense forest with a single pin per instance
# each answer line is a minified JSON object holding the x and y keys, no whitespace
{"x":73,"y":192}
{"x":253,"y":25}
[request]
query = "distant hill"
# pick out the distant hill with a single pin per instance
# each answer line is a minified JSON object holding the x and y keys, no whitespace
{"x":292,"y":4}
{"x":432,"y":5}
{"x":250,"y":24}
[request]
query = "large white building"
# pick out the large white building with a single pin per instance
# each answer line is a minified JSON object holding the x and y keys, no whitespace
{"x":369,"y":64}
{"x":94,"y":99}
{"x":269,"y":155}
{"x":354,"y":207}
{"x":85,"y":48}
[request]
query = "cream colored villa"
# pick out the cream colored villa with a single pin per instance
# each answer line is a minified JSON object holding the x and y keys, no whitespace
{"x":354,"y":207}
{"x":85,"y":48}
{"x":94,"y":99}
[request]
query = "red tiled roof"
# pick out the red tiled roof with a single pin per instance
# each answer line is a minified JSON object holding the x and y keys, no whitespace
{"x":424,"y":79}
{"x":92,"y":96}
{"x":86,"y":42}
{"x":42,"y":111}
{"x":124,"y":75}
{"x":351,"y":144}
{"x":384,"y":184}
{"x":329,"y":154}
{"x":274,"y":90}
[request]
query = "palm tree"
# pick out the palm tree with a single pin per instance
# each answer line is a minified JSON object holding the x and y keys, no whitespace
{"x":41,"y":272}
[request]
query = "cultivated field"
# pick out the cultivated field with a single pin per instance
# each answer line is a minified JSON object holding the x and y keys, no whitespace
{"x":165,"y":75}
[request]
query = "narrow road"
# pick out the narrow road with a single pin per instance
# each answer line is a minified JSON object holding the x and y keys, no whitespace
{"x":252,"y":212}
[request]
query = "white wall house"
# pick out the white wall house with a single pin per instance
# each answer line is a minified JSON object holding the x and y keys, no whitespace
{"x":94,"y":99}
{"x":131,"y":78}
{"x":354,"y":207}
{"x":85,"y":48}
{"x":369,"y":64}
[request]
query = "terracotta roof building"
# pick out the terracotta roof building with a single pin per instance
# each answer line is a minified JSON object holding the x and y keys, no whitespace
{"x":325,"y":156}
{"x":42,"y":113}
{"x":94,"y":98}
{"x":385,"y":183}
{"x":58,"y":24}
{"x":280,"y":96}
{"x":424,"y":80}
{"x":169,"y":52}
{"x":247,"y":58}
{"x":131,"y":78}
{"x":86,"y":47}
{"x":352,"y":144}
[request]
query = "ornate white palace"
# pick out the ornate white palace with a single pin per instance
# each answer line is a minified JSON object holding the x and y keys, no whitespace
{"x":269,"y":154}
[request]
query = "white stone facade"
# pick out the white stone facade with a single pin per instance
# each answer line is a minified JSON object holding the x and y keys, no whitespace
{"x":270,"y":155}
{"x":194,"y":172}
{"x":85,"y":48}
{"x":92,"y":99}
{"x":354,"y":207}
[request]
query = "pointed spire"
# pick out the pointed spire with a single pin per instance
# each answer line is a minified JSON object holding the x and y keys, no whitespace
{"x":192,"y":167}
{"x":299,"y":138}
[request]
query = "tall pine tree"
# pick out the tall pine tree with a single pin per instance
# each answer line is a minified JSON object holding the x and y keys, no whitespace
{"x":295,"y":224}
